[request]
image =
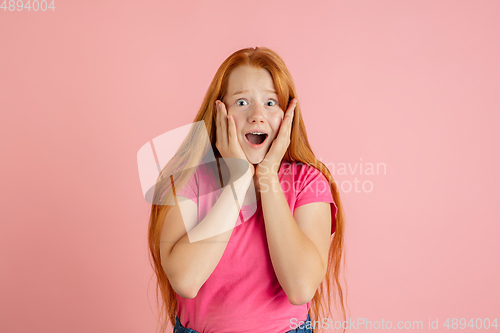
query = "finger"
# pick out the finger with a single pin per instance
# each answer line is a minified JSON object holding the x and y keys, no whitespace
{"x":286,"y":123}
{"x":233,"y":136}
{"x":223,"y":122}
{"x":292,"y":116}
{"x":290,"y":110}
{"x":292,"y":105}
{"x":223,"y":114}
{"x":234,"y":143}
{"x":222,"y":135}
{"x":218,"y":129}
{"x":283,"y":138}
{"x":231,"y":131}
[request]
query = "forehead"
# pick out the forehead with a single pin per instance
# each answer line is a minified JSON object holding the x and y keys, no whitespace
{"x":249,"y":78}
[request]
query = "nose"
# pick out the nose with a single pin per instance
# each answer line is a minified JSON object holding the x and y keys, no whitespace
{"x":256,"y":114}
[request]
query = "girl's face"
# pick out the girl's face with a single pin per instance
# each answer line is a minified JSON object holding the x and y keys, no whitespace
{"x":252,"y":100}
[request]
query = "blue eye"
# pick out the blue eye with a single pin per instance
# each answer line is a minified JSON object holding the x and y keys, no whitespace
{"x":274,"y":102}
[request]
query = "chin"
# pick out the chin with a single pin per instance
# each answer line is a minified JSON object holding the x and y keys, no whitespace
{"x":257,"y":157}
{"x":255,"y":160}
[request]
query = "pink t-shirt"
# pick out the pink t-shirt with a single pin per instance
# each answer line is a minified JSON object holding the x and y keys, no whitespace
{"x":243,"y":294}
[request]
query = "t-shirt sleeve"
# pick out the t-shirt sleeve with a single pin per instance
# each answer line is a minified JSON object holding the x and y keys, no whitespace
{"x":315,"y":188}
{"x":189,"y":190}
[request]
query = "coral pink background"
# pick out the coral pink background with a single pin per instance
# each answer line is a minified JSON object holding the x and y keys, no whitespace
{"x":410,"y":84}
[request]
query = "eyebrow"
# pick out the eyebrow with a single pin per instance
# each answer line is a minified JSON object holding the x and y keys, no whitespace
{"x":242,"y":91}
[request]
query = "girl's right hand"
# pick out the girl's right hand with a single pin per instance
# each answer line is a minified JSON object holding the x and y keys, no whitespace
{"x":227,"y":140}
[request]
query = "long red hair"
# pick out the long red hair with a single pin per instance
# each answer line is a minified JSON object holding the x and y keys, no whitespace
{"x":330,"y":290}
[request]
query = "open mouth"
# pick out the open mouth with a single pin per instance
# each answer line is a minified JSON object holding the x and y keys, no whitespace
{"x":255,"y":138}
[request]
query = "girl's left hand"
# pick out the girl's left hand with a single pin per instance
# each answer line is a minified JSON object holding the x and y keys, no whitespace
{"x":271,"y":162}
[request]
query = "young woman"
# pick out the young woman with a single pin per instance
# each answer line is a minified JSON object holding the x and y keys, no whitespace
{"x":242,"y":242}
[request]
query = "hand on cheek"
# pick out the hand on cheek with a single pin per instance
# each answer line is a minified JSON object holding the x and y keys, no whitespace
{"x":227,"y":138}
{"x":270,"y":163}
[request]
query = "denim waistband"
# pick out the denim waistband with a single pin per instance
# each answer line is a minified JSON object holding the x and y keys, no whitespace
{"x":304,"y":328}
